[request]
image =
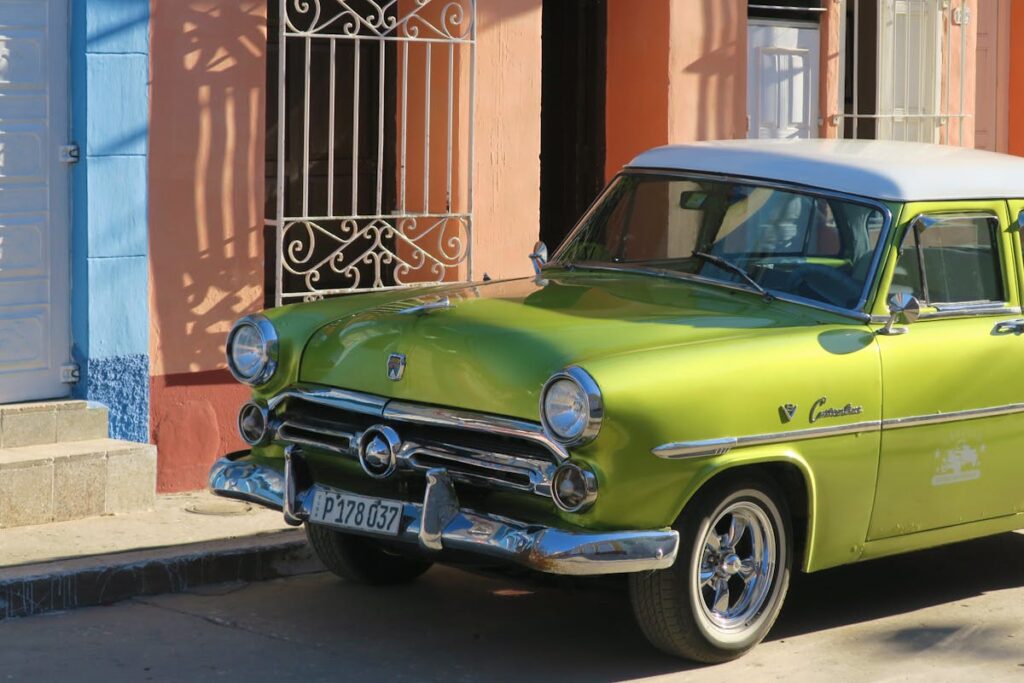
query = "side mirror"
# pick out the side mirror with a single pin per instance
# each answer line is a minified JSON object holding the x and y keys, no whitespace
{"x":1020,"y":220}
{"x":539,"y":256}
{"x":903,"y":308}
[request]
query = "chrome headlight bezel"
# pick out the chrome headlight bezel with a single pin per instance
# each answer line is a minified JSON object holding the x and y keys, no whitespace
{"x":269,"y":347}
{"x":591,"y":394}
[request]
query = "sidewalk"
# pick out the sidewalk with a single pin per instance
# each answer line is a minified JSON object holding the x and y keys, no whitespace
{"x":188,"y":540}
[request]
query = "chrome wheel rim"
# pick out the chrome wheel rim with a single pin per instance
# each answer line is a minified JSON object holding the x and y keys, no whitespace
{"x":737,"y":567}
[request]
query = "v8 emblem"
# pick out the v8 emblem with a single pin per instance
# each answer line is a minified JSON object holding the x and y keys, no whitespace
{"x":787,"y":412}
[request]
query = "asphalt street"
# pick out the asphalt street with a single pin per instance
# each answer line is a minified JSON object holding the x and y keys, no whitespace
{"x":950,"y":614}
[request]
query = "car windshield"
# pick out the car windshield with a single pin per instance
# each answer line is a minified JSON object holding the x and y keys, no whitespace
{"x":786,"y":242}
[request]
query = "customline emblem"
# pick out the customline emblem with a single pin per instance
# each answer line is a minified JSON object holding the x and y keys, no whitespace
{"x":396,"y":366}
{"x":819,"y":411}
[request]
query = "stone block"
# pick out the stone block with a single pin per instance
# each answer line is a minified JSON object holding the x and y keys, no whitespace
{"x":79,"y":485}
{"x":131,"y":478}
{"x":28,"y":428}
{"x":26,"y":490}
{"x":80,"y":425}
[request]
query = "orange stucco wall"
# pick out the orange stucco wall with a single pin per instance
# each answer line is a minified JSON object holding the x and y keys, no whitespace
{"x":205,"y":216}
{"x":506,"y":165}
{"x":206,"y":198}
{"x":676,"y":73}
{"x":707,"y":71}
{"x":1016,"y":79}
{"x":961,"y":59}
{"x":637,"y":88}
{"x":831,"y":69}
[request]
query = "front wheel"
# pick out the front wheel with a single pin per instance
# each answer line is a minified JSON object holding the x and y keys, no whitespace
{"x":727,"y":586}
{"x":359,"y":560}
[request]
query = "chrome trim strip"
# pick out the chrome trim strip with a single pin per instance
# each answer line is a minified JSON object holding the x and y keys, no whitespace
{"x":975,"y":312}
{"x":710,"y":447}
{"x":955,"y":416}
{"x":353,"y":401}
{"x":856,"y":312}
{"x":415,"y":413}
{"x":546,"y":549}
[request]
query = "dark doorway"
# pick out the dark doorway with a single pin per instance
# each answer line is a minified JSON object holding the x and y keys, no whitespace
{"x":862,"y":49}
{"x":572,"y":134}
{"x":320,"y":173}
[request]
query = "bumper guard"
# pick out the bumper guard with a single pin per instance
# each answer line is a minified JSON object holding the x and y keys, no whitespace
{"x":440,"y":523}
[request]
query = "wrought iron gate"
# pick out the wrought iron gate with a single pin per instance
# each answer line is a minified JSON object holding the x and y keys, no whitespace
{"x":907,"y":70}
{"x":373,"y":160}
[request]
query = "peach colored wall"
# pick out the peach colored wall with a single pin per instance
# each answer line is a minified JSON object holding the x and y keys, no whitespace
{"x":831,"y":69}
{"x":506,"y":171}
{"x":707,"y":97}
{"x":637,"y":88}
{"x":676,"y":73}
{"x":965,"y":57}
{"x":438,"y":240}
{"x":205,"y":215}
{"x":1016,"y":100}
{"x":206,"y":176}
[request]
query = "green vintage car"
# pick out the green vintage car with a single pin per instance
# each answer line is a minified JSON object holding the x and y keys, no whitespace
{"x":748,"y":358}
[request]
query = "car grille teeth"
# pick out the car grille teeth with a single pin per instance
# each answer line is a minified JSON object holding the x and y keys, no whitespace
{"x":470,"y":457}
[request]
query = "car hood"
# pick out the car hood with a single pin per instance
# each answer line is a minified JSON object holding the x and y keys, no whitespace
{"x":498,"y":342}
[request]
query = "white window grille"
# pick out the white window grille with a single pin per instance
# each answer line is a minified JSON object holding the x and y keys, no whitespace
{"x":906,"y":70}
{"x":373,"y":163}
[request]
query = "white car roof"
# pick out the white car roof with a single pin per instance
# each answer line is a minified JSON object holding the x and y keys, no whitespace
{"x":897,"y":171}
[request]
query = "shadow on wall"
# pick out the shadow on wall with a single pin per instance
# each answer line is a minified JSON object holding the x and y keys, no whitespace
{"x":206,"y":214}
{"x":675,"y":75}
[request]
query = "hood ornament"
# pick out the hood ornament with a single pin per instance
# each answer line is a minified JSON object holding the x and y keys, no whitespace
{"x":438,"y":305}
{"x":396,"y":366}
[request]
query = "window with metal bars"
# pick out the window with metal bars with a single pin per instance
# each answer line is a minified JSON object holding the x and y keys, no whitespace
{"x":905,"y":70}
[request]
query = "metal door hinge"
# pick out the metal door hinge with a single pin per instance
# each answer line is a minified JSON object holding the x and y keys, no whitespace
{"x":69,"y":154}
{"x":962,"y":15}
{"x":69,"y":373}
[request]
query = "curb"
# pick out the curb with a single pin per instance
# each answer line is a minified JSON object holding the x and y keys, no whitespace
{"x":104,"y":579}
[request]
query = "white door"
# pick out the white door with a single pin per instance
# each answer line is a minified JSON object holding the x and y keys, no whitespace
{"x":34,"y":213}
{"x":783,"y":68}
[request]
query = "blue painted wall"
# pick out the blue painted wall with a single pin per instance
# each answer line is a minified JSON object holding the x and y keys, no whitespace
{"x":109,"y":252}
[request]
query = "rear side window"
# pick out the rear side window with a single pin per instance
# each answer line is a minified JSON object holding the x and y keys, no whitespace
{"x":954,"y":261}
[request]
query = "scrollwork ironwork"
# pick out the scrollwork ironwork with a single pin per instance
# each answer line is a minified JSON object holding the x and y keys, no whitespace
{"x":447,"y":20}
{"x":374,"y":253}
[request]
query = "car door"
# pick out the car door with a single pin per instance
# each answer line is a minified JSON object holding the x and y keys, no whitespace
{"x":953,"y":381}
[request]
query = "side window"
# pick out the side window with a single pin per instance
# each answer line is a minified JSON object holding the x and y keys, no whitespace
{"x":955,"y":260}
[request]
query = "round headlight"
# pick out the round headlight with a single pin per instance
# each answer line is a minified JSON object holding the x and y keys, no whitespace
{"x":252,"y":350}
{"x":573,"y":488}
{"x":571,"y":407}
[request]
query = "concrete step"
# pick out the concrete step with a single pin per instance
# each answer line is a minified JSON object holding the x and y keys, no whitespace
{"x":186,"y":541}
{"x":54,"y":482}
{"x":48,"y":422}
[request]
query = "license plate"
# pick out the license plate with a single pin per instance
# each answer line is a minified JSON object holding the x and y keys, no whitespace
{"x":349,"y":511}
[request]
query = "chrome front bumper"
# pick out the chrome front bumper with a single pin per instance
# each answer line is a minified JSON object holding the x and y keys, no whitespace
{"x":439,"y":523}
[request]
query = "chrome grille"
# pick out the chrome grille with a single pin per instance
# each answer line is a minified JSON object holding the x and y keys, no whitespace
{"x":475,"y":449}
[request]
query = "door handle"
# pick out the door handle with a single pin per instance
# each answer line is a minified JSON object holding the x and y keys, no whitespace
{"x":1015,"y":326}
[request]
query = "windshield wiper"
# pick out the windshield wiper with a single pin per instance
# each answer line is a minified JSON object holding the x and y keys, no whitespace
{"x":730,"y":266}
